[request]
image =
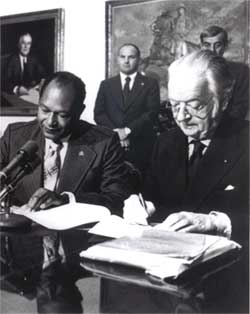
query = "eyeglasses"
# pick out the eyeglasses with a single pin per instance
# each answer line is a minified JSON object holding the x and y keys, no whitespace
{"x":194,"y":107}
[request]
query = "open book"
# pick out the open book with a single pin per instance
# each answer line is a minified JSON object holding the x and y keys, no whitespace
{"x":164,"y":254}
{"x":66,"y":216}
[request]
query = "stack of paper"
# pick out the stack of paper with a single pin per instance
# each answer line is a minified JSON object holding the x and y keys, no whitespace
{"x":161,"y":253}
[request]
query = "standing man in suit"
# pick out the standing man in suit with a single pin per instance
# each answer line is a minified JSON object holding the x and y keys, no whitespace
{"x":88,"y":167}
{"x":129,"y":104}
{"x":23,"y":71}
{"x":199,"y":178}
{"x":215,"y":38}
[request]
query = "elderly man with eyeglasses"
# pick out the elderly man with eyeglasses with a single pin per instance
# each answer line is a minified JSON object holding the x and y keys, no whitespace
{"x":199,"y":177}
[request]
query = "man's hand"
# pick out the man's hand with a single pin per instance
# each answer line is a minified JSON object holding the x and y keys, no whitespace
{"x":189,"y":222}
{"x":122,"y":133}
{"x":22,"y":91}
{"x":44,"y":199}
{"x":125,"y":143}
{"x":136,"y":210}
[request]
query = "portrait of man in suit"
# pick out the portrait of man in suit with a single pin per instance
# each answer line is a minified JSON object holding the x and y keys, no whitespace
{"x":128,"y":103}
{"x":199,"y":176}
{"x":80,"y":162}
{"x":23,"y":71}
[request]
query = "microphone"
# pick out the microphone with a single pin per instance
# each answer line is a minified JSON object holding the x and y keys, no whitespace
{"x":25,"y":154}
{"x":27,"y":168}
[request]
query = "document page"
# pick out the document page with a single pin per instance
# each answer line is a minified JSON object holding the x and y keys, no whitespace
{"x":115,"y":227}
{"x":66,"y":216}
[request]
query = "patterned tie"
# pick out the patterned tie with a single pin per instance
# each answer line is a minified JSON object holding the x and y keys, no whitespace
{"x":52,"y":166}
{"x":126,"y":91}
{"x":51,"y":176}
{"x":195,"y":158}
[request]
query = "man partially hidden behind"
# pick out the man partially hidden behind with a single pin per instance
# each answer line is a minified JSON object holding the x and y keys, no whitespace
{"x":199,"y":178}
{"x":215,"y":38}
{"x":129,"y":103}
{"x":23,"y":71}
{"x":80,"y":162}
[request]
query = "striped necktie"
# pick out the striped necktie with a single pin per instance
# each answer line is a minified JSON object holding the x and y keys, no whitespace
{"x":52,"y":163}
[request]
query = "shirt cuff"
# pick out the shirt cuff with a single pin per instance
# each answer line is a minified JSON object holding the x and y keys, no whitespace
{"x":127,"y":130}
{"x":16,"y":90}
{"x":223,"y":223}
{"x":71,"y":196}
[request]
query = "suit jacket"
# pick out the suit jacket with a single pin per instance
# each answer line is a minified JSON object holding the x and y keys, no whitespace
{"x":93,"y":168}
{"x":239,"y":106}
{"x":140,"y":114}
{"x":12,"y":74}
{"x":221,"y":182}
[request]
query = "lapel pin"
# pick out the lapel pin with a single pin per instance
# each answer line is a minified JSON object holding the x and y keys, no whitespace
{"x":81,"y":153}
{"x":142,"y":84}
{"x":225,"y":161}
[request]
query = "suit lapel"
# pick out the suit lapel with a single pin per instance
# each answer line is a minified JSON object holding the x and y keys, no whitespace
{"x":116,"y":91}
{"x":219,"y":158}
{"x":137,"y":88}
{"x":77,"y":163}
{"x":171,"y":163}
{"x":177,"y":166}
{"x":18,"y":70}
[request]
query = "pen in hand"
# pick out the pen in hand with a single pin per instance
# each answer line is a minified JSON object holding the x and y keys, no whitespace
{"x":143,"y":203}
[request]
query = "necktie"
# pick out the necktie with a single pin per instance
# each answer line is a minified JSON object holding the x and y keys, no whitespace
{"x":126,"y":90}
{"x":51,"y":176}
{"x":52,"y":166}
{"x":25,"y":79}
{"x":195,"y":158}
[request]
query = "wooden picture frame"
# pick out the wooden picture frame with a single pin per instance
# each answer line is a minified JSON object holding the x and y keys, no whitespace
{"x":46,"y":29}
{"x":158,"y":26}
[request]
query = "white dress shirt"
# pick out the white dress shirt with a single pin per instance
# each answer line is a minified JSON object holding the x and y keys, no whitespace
{"x":63,"y":152}
{"x":22,"y":61}
{"x":191,"y":146}
{"x":132,"y":79}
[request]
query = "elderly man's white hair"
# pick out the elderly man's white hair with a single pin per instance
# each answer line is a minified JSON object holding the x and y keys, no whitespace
{"x":209,"y":67}
{"x":23,"y":35}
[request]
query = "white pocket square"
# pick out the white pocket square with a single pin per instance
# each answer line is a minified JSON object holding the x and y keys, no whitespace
{"x":229,"y":187}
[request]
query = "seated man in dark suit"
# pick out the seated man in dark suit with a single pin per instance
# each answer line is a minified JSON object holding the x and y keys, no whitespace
{"x":23,"y":71}
{"x":199,"y":177}
{"x":80,"y":162}
{"x":129,"y":104}
{"x":215,"y":38}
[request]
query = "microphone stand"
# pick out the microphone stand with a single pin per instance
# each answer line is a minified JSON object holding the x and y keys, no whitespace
{"x":8,"y":220}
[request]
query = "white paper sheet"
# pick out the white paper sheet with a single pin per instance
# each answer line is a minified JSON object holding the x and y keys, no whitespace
{"x":65,"y":216}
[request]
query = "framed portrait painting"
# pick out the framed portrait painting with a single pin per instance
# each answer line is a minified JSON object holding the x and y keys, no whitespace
{"x":163,"y":28}
{"x":31,"y":48}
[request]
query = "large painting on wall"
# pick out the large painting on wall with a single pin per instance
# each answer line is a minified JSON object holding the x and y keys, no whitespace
{"x":31,"y":48}
{"x":162,"y":28}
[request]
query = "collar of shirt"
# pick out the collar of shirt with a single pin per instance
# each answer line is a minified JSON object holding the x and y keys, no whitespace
{"x":63,"y":151}
{"x":132,"y":79}
{"x":191,"y":146}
